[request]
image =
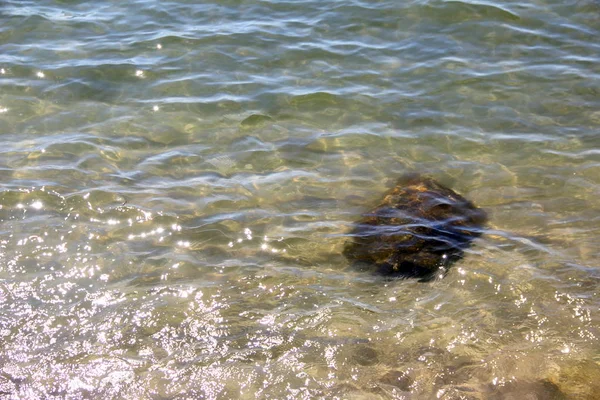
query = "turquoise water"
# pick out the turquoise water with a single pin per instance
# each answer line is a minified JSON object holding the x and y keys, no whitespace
{"x":177,"y":180}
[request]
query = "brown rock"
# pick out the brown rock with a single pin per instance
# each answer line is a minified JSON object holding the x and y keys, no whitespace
{"x":420,"y":228}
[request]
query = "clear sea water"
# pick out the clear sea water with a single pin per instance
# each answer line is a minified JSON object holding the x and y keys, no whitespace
{"x":177,"y":179}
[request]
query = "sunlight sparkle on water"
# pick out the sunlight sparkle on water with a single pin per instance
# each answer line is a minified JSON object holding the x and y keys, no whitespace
{"x":145,"y":255}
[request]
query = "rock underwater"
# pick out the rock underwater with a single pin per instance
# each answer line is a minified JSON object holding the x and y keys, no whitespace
{"x":419,"y":230}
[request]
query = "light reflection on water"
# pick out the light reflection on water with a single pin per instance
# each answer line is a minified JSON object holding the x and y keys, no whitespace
{"x":177,"y":181}
{"x":114,"y":300}
{"x":150,"y":323}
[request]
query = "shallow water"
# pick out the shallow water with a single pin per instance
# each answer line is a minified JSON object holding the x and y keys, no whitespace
{"x":177,"y":180}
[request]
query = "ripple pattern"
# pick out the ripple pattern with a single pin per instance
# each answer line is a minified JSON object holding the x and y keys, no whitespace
{"x":178,"y":180}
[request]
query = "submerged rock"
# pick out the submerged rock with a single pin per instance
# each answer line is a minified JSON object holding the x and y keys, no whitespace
{"x":420,"y":228}
{"x":536,"y":390}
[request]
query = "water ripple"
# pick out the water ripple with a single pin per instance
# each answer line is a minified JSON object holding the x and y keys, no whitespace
{"x":178,"y":182}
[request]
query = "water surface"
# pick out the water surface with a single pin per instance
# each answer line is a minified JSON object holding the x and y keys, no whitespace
{"x":177,"y":180}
